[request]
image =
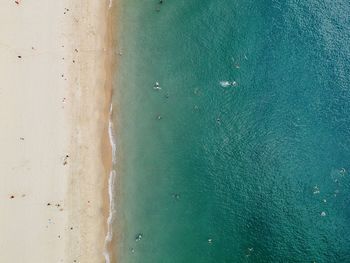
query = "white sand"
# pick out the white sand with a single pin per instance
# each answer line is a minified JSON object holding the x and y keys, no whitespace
{"x":51,"y":107}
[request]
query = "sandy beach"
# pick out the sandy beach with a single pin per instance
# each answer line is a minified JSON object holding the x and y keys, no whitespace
{"x":55,"y":91}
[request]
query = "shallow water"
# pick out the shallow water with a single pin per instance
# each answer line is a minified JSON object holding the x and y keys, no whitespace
{"x":243,"y":154}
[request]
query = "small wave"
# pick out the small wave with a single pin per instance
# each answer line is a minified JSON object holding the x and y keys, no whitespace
{"x":226,"y":83}
{"x":109,"y":235}
{"x":111,"y":137}
{"x":111,"y":183}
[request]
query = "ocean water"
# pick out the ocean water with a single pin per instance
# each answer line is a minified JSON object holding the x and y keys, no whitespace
{"x":243,"y":154}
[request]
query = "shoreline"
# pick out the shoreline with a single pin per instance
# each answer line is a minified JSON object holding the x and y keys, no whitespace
{"x":99,"y":68}
{"x":111,"y":62}
{"x":58,"y":64}
{"x":112,"y":234}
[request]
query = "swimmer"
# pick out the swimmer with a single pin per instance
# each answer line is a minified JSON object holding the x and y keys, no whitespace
{"x":342,"y":171}
{"x":156,"y":86}
{"x":316,"y":190}
{"x":138,"y":237}
{"x":176,"y":196}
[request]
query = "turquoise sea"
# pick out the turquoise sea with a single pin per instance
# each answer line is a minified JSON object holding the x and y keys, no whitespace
{"x":242,"y":152}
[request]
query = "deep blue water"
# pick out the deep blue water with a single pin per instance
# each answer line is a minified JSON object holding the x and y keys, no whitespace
{"x":253,"y":172}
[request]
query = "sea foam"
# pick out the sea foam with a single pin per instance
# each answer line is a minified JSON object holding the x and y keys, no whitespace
{"x":111,"y":183}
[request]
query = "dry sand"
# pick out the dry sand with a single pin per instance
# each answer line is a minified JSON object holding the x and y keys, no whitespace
{"x":55,"y":88}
